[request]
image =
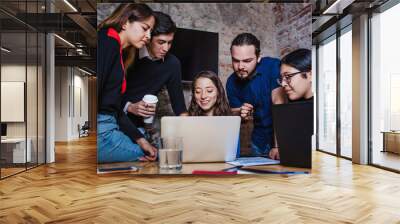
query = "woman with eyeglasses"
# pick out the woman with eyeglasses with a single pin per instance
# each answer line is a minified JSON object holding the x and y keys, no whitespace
{"x":296,"y":75}
{"x":296,"y":80}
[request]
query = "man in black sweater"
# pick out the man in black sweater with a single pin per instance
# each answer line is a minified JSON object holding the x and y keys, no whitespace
{"x":153,"y":69}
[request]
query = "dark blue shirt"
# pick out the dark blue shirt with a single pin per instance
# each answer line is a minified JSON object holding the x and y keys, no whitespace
{"x":257,"y":92}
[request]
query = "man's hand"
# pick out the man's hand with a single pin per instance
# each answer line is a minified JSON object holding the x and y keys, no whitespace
{"x":278,"y":96}
{"x":274,"y":154}
{"x":142,"y":109}
{"x":149,"y":150}
{"x":246,"y":111}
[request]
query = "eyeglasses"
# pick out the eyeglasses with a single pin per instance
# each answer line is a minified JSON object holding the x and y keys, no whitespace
{"x":287,"y":77}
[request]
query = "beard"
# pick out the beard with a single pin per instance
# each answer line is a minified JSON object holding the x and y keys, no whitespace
{"x":245,"y":75}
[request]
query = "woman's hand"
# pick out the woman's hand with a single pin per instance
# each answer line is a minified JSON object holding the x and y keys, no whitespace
{"x":149,"y":150}
{"x":274,"y":154}
{"x":142,"y":109}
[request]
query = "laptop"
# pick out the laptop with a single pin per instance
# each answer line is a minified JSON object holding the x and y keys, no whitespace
{"x":293,"y":125}
{"x":206,"y":138}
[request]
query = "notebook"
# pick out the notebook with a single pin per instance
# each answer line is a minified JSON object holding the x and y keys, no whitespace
{"x":253,"y":161}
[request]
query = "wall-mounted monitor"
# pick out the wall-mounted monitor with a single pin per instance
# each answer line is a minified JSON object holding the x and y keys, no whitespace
{"x":12,"y":101}
{"x":3,"y":129}
{"x":197,"y":50}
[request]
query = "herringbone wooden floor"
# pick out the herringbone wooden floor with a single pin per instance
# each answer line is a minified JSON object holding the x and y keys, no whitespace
{"x":70,"y":191}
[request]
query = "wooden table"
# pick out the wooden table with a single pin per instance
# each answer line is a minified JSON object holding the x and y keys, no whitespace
{"x":146,"y":168}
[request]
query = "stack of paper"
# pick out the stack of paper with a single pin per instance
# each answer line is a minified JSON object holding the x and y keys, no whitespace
{"x":253,"y":161}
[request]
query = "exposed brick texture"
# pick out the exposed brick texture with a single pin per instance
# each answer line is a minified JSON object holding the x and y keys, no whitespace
{"x":281,"y":28}
{"x":293,"y":23}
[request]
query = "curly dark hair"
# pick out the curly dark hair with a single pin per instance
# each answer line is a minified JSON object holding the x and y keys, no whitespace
{"x":221,"y":106}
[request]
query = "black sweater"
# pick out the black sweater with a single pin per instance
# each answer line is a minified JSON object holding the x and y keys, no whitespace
{"x":110,"y":81}
{"x":149,"y":77}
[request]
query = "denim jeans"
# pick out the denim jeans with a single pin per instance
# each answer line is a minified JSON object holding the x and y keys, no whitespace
{"x":257,"y":151}
{"x":112,"y":144}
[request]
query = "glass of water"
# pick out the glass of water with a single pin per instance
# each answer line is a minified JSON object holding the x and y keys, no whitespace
{"x":170,"y":153}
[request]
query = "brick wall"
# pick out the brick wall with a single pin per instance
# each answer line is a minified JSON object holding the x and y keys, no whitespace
{"x":280,"y":28}
{"x":227,"y":19}
{"x":293,"y":22}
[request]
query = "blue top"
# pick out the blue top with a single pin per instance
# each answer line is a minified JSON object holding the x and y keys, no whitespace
{"x":257,"y":92}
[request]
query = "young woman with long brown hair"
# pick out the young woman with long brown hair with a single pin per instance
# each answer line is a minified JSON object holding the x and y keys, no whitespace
{"x":208,"y":96}
{"x":118,"y":140}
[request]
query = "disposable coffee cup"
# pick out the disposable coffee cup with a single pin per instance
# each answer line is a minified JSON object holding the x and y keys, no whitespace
{"x":149,"y":99}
